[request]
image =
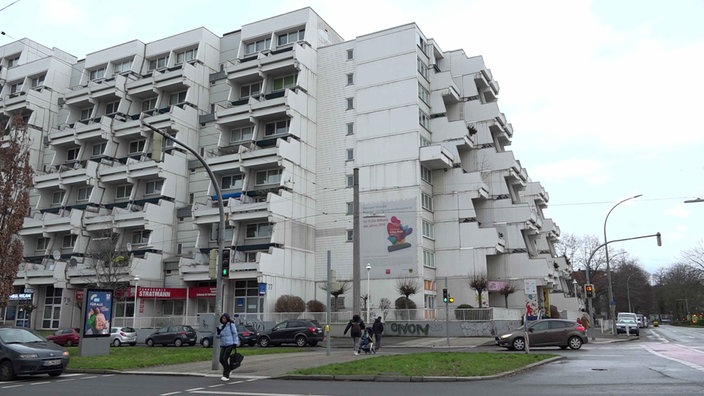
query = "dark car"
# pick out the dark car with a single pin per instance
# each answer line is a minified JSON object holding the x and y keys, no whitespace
{"x":65,"y":337}
{"x":24,"y":352}
{"x":546,"y":332}
{"x":301,"y":332}
{"x":176,"y":335}
{"x":248,"y":336}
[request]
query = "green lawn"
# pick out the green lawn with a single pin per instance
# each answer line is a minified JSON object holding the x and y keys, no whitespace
{"x":454,"y":364}
{"x":126,"y":358}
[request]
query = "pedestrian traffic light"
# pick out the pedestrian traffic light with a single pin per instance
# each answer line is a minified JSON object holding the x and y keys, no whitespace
{"x":444,"y":296}
{"x":225,"y":264}
{"x":589,"y":290}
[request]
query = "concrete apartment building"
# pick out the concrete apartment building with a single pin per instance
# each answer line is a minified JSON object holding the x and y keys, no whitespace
{"x":283,"y":110}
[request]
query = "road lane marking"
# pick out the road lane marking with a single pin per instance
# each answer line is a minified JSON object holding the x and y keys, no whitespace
{"x":256,"y":394}
{"x":686,"y":363}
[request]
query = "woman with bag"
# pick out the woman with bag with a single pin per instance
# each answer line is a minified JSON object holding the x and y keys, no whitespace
{"x":229,"y":341}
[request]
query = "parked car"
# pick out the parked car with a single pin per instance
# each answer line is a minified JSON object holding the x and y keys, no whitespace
{"x":248,"y":336}
{"x":123,"y":335}
{"x":301,"y":332}
{"x":642,"y":321}
{"x":24,"y":352}
{"x":546,"y":332}
{"x":65,"y":337}
{"x":176,"y":335}
{"x":627,"y":326}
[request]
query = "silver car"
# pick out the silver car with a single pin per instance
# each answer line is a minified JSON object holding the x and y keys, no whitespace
{"x":123,"y":335}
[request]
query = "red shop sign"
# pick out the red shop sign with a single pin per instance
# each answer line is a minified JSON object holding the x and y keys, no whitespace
{"x":201,"y":291}
{"x":161,"y":292}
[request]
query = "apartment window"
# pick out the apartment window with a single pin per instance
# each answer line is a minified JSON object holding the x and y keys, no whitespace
{"x":350,"y":154}
{"x":178,"y":97}
{"x":276,"y":127}
{"x":350,"y":235}
{"x":350,"y":54}
{"x":137,"y":146}
{"x":186,"y":56}
{"x":159,"y":62}
{"x":153,"y":187}
{"x":248,"y":90}
{"x":350,"y":128}
{"x":72,"y":154}
{"x":69,"y":241}
{"x":285,"y":82}
{"x":256,"y":46}
{"x":424,"y":119}
{"x":149,"y":104}
{"x":111,"y":108}
{"x":426,"y":202}
{"x":424,"y":141}
{"x":350,"y":103}
{"x":98,"y":73}
{"x":13,"y":61}
{"x":260,"y":230}
{"x":16,"y":87}
{"x":86,"y":113}
{"x":423,"y":93}
{"x":423,"y":69}
{"x":42,"y":243}
{"x":272,"y":176}
{"x":426,"y":175}
{"x":141,"y":237}
{"x":98,"y":149}
{"x":421,"y":43}
{"x":350,"y":208}
{"x":38,"y":81}
{"x":350,"y":79}
{"x":428,"y":258}
{"x":428,"y":229}
{"x":291,"y":37}
{"x":232,"y":182}
{"x":57,"y":198}
{"x":350,"y":180}
{"x":122,"y":66}
{"x":241,"y":134}
{"x":123,"y":192}
{"x":52,"y":308}
{"x":84,"y":194}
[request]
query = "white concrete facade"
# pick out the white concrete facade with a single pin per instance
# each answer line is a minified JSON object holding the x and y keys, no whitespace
{"x":283,"y":110}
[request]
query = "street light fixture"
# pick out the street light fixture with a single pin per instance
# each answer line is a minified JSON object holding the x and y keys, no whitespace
{"x":369,"y":269}
{"x":134,"y":311}
{"x":612,"y":303}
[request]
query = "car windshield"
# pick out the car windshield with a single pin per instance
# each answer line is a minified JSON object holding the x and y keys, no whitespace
{"x":627,"y":321}
{"x":15,"y":336}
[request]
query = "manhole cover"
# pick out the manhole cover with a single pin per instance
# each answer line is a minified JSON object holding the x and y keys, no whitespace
{"x":598,"y":369}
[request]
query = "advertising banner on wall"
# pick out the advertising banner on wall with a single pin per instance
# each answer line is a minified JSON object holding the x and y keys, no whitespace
{"x":389,"y":242}
{"x":98,"y":313}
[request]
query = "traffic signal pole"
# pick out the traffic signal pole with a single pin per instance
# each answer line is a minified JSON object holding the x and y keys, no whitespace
{"x":447,"y":313}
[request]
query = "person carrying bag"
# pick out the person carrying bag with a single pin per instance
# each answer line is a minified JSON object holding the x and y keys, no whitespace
{"x":229,"y":341}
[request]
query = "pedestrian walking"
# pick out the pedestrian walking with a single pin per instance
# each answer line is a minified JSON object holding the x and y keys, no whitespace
{"x":355,"y":327}
{"x":585,"y":321}
{"x":229,"y":341}
{"x":378,"y":329}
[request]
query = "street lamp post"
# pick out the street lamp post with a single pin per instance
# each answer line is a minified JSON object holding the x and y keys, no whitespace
{"x":574,"y":285}
{"x":612,"y":303}
{"x":134,"y":311}
{"x":628,"y":291}
{"x":369,"y":269}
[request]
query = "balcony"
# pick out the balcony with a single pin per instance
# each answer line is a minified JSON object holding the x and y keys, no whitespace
{"x":436,"y":157}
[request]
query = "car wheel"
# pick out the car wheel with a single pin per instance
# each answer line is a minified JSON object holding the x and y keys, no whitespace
{"x":7,"y":373}
{"x":301,"y":340}
{"x":519,"y":344}
{"x":178,"y":342}
{"x":149,"y":342}
{"x":205,"y":342}
{"x":69,"y":343}
{"x":264,"y":342}
{"x":116,"y":342}
{"x":55,"y":373}
{"x":575,"y":342}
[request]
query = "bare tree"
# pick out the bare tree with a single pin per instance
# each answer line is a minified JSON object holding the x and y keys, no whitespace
{"x":506,"y":291}
{"x":480,"y":284}
{"x":407,"y":286}
{"x":695,"y":257}
{"x":15,"y":182}
{"x":108,"y":262}
{"x":338,"y":288}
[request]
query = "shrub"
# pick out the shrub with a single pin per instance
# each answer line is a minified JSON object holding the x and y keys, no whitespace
{"x":405,"y":308}
{"x":315,"y":306}
{"x":289,"y":303}
{"x":461,"y":312}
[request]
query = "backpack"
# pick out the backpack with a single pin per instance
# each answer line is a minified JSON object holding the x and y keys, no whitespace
{"x":356,"y":328}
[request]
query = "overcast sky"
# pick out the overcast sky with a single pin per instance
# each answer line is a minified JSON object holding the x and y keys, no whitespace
{"x":604,"y":96}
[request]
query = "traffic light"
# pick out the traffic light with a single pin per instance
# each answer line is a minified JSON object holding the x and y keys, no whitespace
{"x":451,"y":299}
{"x":589,"y":290}
{"x":445,"y":298}
{"x":225,"y":264}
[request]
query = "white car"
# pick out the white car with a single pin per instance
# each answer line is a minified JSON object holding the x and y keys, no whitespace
{"x":123,"y":335}
{"x":642,"y":321}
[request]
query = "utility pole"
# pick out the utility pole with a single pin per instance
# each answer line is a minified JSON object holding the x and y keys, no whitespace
{"x":356,"y":287}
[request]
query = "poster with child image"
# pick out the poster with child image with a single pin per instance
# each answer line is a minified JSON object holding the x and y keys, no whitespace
{"x":98,"y":313}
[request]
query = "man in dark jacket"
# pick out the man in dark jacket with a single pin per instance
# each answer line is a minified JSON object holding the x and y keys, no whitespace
{"x":378,"y":329}
{"x":355,"y":326}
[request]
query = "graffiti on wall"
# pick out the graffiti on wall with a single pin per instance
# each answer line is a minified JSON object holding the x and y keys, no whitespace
{"x":410,"y":329}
